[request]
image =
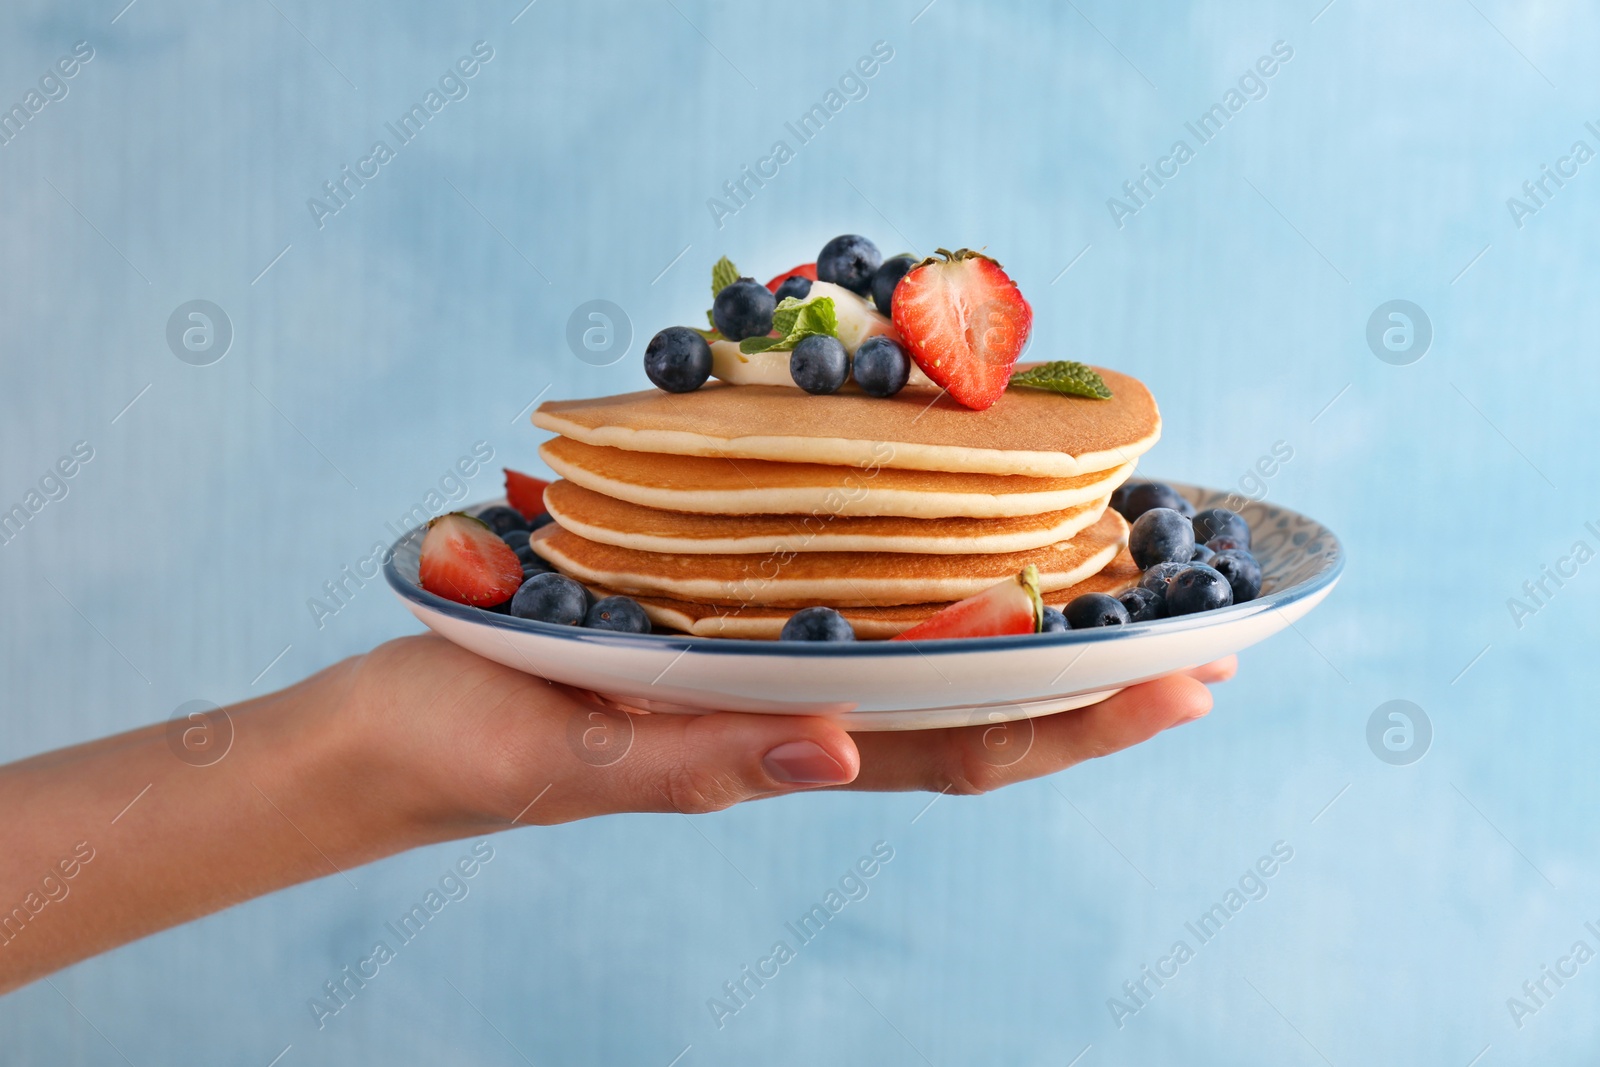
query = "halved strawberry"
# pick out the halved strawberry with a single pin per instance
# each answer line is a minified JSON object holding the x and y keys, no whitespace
{"x":804,"y":270}
{"x":1012,"y":607}
{"x":525,"y":493}
{"x":965,"y":322}
{"x":463,"y":560}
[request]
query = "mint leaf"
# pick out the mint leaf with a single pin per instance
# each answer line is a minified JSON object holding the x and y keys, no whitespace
{"x":795,"y":320}
{"x":711,"y":334}
{"x":790,"y":308}
{"x":723,"y":274}
{"x":1065,"y":376}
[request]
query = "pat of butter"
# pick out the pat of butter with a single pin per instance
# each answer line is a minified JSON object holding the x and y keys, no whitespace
{"x":730,"y":365}
{"x":858,"y":320}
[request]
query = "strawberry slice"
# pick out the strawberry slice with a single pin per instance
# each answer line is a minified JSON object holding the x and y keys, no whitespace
{"x":463,"y":560}
{"x":965,"y":323}
{"x":1012,"y":607}
{"x":525,"y":493}
{"x":804,"y":270}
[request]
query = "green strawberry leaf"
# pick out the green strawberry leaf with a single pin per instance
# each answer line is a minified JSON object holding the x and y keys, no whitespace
{"x":795,"y":320}
{"x":723,"y":274}
{"x":1064,"y":376}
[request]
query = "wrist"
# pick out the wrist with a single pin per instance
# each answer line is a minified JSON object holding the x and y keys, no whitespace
{"x":323,"y":746}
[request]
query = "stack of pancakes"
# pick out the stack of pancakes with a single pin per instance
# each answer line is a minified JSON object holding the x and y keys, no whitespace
{"x":725,"y":510}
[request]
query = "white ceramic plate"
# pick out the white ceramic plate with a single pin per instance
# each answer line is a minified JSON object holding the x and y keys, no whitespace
{"x":882,"y":685}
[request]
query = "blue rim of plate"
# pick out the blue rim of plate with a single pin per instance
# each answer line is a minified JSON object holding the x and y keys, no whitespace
{"x":1278,"y":598}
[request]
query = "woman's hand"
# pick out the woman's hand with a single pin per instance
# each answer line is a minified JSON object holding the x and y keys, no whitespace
{"x":484,"y":746}
{"x":419,"y":741}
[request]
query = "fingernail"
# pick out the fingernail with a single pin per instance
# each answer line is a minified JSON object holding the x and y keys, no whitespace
{"x":804,"y":763}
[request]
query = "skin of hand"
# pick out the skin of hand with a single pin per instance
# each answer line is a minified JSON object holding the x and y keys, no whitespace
{"x":419,"y":741}
{"x":473,"y":727}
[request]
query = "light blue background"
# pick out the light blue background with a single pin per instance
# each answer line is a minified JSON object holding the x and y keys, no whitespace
{"x":431,"y":311}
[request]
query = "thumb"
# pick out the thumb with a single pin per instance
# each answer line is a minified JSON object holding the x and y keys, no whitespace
{"x":698,"y":763}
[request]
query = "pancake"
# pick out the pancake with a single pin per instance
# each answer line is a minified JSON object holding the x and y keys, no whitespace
{"x":764,"y":623}
{"x":720,"y":486}
{"x":616,"y":522}
{"x":1028,"y":432}
{"x":840,"y":579}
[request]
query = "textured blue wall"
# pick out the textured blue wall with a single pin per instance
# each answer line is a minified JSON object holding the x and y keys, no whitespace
{"x":426,"y":314}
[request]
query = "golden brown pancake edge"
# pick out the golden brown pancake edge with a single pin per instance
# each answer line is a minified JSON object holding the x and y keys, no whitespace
{"x":1027,"y":431}
{"x":720,"y":486}
{"x":835,"y":578}
{"x":609,"y":520}
{"x":870,"y":623}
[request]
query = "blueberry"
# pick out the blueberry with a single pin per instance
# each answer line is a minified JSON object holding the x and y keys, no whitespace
{"x":1142,"y":605}
{"x":1054,"y":622}
{"x":530,"y":567}
{"x":502,"y":520}
{"x":1222,"y":544}
{"x":620,"y":613}
{"x":1156,"y":578}
{"x":1220,"y":522}
{"x":850,"y":261}
{"x":1143,"y":496}
{"x":1202,"y":554}
{"x":743,"y":309}
{"x":819,"y":364}
{"x":794,"y":285}
{"x":1197,"y":588}
{"x":817,"y":624}
{"x":1095,"y":609}
{"x":1119,"y":498}
{"x":526,"y":554}
{"x":542,"y":519}
{"x":881,"y":366}
{"x":886,"y":277}
{"x":551,"y":597}
{"x":1160,"y":535}
{"x":678,"y":359}
{"x":1241,"y":570}
{"x":517,"y":539}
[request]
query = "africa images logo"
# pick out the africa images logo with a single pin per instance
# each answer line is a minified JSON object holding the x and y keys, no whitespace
{"x":1252,"y":885}
{"x":1252,"y":85}
{"x":854,"y":885}
{"x":852,"y":87}
{"x":341,"y":190}
{"x":53,"y":87}
{"x":453,"y":886}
